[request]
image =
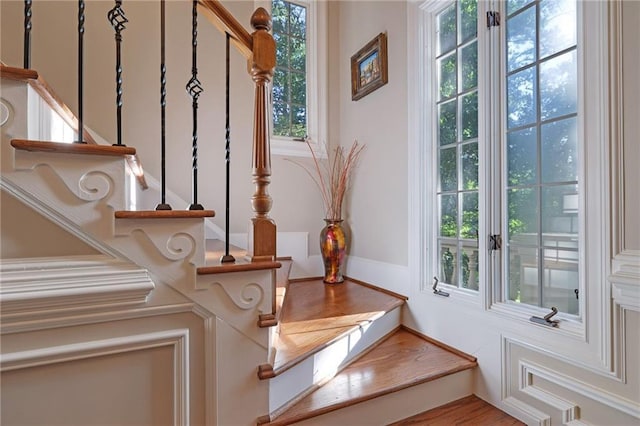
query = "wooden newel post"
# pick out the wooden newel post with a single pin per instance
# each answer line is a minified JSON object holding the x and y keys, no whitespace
{"x":262,"y":232}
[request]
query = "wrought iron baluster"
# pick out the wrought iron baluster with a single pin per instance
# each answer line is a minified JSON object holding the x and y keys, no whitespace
{"x":163,"y":104}
{"x":27,"y":34}
{"x":227,"y":257}
{"x":194,"y":89}
{"x":118,"y":20}
{"x":80,"y":71}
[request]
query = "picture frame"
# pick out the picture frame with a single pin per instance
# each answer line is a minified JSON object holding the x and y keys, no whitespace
{"x":369,"y":67}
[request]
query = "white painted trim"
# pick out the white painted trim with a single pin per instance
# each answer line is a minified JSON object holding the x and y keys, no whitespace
{"x":569,"y":411}
{"x":529,"y":369}
{"x":50,"y":286}
{"x":178,"y":339}
{"x":521,"y":410}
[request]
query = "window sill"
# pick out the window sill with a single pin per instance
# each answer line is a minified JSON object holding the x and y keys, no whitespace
{"x":287,"y":147}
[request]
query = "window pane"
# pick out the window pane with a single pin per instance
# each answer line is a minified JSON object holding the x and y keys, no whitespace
{"x":469,"y":61}
{"x":514,"y":5}
{"x":522,"y":157}
{"x":298,"y":88}
{"x":470,"y":166}
{"x":298,"y":21}
{"x":298,"y":54}
{"x":468,"y":19}
{"x":448,"y":262}
{"x":299,"y":122}
{"x":557,"y":26}
{"x":560,"y":279}
{"x":280,"y":16}
{"x":470,"y":116}
{"x":559,"y":151}
{"x":282,"y":50}
{"x":448,"y":170}
{"x":447,"y":116}
{"x":469,"y":271}
{"x":449,"y":216}
{"x":521,"y":39}
{"x":523,"y":275}
{"x":523,"y":216}
{"x":280,"y":86}
{"x":447,"y":29}
{"x":469,"y":227}
{"x":558,"y":86}
{"x":521,"y":98}
{"x":448,"y":76}
{"x":281,"y":119}
{"x":560,"y":211}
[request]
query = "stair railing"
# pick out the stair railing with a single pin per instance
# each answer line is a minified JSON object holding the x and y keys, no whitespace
{"x":258,"y":48}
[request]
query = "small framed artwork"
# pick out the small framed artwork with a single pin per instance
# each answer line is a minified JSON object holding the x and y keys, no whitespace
{"x":369,"y":67}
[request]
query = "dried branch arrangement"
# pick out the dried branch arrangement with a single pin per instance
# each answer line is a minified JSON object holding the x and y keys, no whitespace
{"x":332,"y":176}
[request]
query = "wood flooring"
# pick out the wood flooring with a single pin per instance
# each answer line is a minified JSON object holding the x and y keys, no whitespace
{"x":469,"y":411}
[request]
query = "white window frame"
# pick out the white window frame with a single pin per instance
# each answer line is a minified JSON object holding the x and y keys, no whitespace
{"x":586,"y":341}
{"x":316,"y":79}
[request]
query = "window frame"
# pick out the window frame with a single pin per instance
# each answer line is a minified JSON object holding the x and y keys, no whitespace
{"x":316,"y":79}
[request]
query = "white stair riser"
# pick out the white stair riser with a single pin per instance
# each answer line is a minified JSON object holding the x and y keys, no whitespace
{"x":296,"y":382}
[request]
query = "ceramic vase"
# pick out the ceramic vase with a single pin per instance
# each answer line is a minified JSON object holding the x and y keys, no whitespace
{"x":333,"y":247}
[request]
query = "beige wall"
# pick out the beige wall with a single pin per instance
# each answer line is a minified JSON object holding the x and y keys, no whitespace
{"x":296,"y":204}
{"x":377,"y":209}
{"x":27,"y":234}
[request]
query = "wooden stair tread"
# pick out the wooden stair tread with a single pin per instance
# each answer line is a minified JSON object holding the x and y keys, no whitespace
{"x":215,"y":249}
{"x":72,"y":148}
{"x":402,"y":360}
{"x":315,"y":314}
{"x":164,"y":214}
{"x":470,"y":410}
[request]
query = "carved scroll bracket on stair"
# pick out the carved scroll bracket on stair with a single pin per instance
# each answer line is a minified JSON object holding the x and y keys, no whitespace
{"x":436,"y":290}
{"x":546,"y":320}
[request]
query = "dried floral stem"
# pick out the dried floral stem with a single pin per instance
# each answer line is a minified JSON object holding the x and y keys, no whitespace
{"x":333,"y":179}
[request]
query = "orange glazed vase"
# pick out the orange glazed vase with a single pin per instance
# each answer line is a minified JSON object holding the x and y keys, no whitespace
{"x":333,"y":246}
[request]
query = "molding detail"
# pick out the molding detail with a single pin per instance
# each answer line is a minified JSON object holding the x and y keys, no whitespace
{"x":178,"y":339}
{"x":40,"y":287}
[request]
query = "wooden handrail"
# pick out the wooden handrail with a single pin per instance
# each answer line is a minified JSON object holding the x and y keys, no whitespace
{"x":227,"y":23}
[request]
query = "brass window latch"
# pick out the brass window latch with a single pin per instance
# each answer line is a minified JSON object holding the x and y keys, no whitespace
{"x":435,"y":289}
{"x":546,"y":320}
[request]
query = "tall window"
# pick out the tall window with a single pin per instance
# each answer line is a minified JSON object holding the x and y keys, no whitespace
{"x":457,"y":118}
{"x":541,"y":152}
{"x":290,"y":76}
{"x":527,"y":94}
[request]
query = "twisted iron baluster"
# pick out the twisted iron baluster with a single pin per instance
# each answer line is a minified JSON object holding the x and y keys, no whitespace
{"x":80,"y":71}
{"x":163,"y":103}
{"x":117,"y":19}
{"x":227,"y":257}
{"x":27,"y":34}
{"x":194,"y":89}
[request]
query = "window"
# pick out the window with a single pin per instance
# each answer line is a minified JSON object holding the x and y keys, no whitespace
{"x":514,"y":175}
{"x":299,"y":81}
{"x":541,"y":152}
{"x":290,"y":77}
{"x":457,"y":117}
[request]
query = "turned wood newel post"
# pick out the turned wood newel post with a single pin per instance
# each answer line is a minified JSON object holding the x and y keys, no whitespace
{"x":262,"y":233}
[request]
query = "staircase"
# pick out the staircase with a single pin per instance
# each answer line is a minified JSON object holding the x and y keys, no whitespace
{"x":301,"y":352}
{"x":332,"y":352}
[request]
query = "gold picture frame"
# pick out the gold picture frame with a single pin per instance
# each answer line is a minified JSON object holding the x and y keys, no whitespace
{"x":369,"y":69}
